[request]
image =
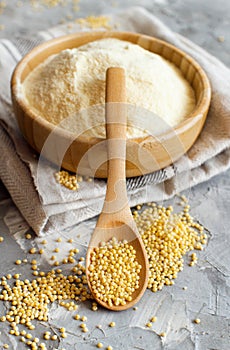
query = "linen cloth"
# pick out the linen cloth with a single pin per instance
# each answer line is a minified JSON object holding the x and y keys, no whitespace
{"x":45,"y":205}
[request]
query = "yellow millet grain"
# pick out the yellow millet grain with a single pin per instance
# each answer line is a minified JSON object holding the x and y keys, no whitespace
{"x":94,"y":22}
{"x":49,"y":3}
{"x":114,"y":272}
{"x":30,"y":299}
{"x":167,"y":237}
{"x":67,"y":180}
{"x":153,"y":319}
{"x":197,"y":321}
{"x":162,"y":334}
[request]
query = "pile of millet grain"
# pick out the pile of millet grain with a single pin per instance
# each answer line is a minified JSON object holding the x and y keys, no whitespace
{"x":167,"y":237}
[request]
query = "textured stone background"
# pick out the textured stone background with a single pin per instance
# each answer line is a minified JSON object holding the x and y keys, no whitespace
{"x":208,"y":293}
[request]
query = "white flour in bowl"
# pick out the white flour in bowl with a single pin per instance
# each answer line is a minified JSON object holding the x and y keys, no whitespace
{"x":74,"y":80}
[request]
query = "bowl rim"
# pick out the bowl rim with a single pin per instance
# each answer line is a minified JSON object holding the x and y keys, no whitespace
{"x":199,"y":110}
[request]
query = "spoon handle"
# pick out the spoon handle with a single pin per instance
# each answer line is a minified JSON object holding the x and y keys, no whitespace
{"x":116,"y":118}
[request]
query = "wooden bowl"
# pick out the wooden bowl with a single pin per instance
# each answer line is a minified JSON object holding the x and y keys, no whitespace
{"x":87,"y":155}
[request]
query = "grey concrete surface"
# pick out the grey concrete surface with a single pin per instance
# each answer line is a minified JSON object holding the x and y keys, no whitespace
{"x":203,"y":21}
{"x":208,"y":283}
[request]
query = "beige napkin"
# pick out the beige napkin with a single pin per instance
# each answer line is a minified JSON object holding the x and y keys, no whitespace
{"x":47,"y":206}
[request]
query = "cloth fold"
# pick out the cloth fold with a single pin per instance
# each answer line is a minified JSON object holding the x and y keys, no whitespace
{"x":47,"y":206}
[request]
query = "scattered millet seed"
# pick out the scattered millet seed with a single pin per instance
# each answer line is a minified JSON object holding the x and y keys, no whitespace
{"x":30,"y":299}
{"x":9,"y":276}
{"x":1,"y":239}
{"x":16,"y":276}
{"x":59,"y":239}
{"x":167,"y":237}
{"x":221,"y":38}
{"x":153,"y":319}
{"x":46,"y":336}
{"x":32,"y":251}
{"x":77,"y":317}
{"x":197,"y":321}
{"x":71,"y":260}
{"x":184,"y":199}
{"x":185,"y":288}
{"x":62,"y":330}
{"x":194,"y":257}
{"x":41,"y":251}
{"x":149,"y":324}
{"x":82,"y":325}
{"x":99,"y":345}
{"x":54,"y":337}
{"x":56,"y":250}
{"x":94,"y":22}
{"x":63,"y":335}
{"x":84,"y":318}
{"x":6,"y":346}
{"x":112,"y":324}
{"x":42,"y":345}
{"x":114,"y":272}
{"x":67,"y":180}
{"x":53,"y":257}
{"x":85,"y":330}
{"x":162,"y":334}
{"x":18,"y":262}
{"x":28,"y":236}
{"x":44,"y":241}
{"x":109,"y":347}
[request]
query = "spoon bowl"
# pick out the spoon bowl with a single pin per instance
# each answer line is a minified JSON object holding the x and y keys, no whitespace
{"x":116,"y":220}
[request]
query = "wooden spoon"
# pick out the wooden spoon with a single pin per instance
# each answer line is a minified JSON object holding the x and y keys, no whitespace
{"x":116,"y":219}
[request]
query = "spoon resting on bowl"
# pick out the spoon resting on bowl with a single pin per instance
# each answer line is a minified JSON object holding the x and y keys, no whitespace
{"x":116,"y":260}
